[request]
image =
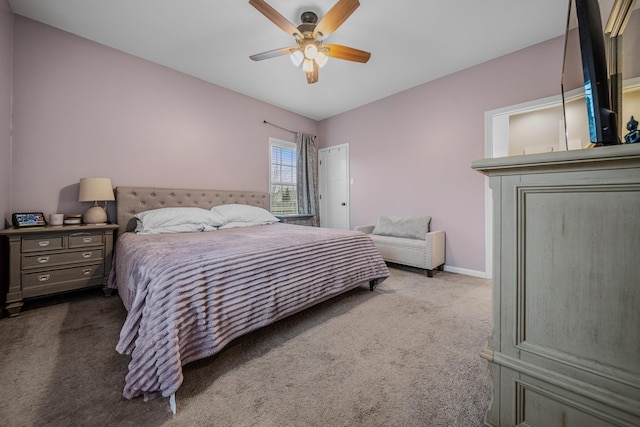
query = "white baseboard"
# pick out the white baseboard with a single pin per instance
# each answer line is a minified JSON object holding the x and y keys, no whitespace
{"x":466,"y":272}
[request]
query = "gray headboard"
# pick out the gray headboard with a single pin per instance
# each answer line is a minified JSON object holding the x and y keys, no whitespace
{"x":132,"y":200}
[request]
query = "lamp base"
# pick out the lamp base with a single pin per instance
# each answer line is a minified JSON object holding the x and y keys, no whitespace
{"x":95,"y":215}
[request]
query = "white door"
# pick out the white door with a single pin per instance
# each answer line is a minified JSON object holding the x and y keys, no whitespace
{"x":333,"y":175}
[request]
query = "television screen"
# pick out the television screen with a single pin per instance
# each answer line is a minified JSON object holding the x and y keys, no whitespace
{"x":584,"y":27}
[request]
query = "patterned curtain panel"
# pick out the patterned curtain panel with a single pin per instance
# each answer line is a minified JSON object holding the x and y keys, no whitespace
{"x":307,"y":166}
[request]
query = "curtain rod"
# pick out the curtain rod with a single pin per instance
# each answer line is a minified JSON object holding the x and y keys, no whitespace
{"x":279,"y":127}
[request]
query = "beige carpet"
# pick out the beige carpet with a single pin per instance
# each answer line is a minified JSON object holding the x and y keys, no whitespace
{"x":406,"y":354}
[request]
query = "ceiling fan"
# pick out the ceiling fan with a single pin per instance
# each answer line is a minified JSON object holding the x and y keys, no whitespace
{"x":310,"y":51}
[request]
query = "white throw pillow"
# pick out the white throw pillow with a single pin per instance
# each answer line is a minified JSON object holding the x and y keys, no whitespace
{"x":166,"y":218}
{"x":407,"y":227}
{"x":245,"y":213}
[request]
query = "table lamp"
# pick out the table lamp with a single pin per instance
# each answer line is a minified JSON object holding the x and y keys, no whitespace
{"x":95,"y":190}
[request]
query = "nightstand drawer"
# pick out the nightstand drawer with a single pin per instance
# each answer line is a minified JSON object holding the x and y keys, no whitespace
{"x":51,"y":277}
{"x":80,"y":240}
{"x":45,"y":260}
{"x":42,"y":243}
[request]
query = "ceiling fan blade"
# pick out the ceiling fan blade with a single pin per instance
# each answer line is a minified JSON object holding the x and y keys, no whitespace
{"x":312,"y":76}
{"x":347,"y":53}
{"x":275,"y":17}
{"x":335,"y":17}
{"x":273,"y":53}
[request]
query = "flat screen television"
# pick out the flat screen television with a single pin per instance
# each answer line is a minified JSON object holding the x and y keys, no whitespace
{"x":603,"y":129}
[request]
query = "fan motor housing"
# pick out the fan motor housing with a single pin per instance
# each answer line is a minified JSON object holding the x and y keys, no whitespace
{"x":309,"y":21}
{"x":309,"y":18}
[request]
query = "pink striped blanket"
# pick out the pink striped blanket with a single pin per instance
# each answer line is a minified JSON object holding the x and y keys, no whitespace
{"x":189,"y":294}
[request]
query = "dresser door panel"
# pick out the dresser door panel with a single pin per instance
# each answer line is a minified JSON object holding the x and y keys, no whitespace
{"x":568,"y":305}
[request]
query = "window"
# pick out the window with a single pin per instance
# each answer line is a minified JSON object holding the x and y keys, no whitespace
{"x":282,"y":182}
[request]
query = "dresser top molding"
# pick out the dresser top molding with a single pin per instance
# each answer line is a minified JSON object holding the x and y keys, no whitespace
{"x":48,"y":229}
{"x":625,"y":155}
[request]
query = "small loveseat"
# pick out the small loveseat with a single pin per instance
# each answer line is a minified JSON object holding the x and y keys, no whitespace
{"x":408,"y":241}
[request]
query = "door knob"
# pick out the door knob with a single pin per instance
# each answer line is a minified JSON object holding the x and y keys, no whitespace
{"x":343,"y":204}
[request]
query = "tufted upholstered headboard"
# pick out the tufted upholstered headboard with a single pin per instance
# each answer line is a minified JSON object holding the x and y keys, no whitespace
{"x":132,"y":200}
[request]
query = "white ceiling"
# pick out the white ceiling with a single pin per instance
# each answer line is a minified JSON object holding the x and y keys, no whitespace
{"x":411,"y":41}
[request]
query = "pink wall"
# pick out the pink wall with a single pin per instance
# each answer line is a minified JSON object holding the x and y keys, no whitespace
{"x":82,"y":109}
{"x":6,"y":62}
{"x":410,"y":153}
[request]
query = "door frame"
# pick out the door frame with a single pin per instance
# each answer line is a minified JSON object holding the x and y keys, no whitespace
{"x":322,"y":184}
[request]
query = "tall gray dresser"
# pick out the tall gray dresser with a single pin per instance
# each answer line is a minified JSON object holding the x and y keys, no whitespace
{"x":565,"y":345}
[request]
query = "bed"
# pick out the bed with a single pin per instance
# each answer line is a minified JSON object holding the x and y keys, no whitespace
{"x":189,"y":294}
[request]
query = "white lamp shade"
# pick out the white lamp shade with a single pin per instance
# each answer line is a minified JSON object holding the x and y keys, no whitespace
{"x":95,"y":189}
{"x":307,"y":66}
{"x":321,"y":59}
{"x":297,"y":57}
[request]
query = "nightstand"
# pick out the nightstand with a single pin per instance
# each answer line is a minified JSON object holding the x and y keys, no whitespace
{"x":48,"y":260}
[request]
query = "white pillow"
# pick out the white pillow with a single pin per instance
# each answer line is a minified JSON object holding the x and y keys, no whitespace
{"x":237,"y":224}
{"x":182,"y":228}
{"x":165,"y":218}
{"x":245,"y":213}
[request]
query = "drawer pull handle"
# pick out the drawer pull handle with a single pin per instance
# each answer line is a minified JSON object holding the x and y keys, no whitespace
{"x":86,"y":254}
{"x":43,"y":259}
{"x":86,"y":271}
{"x":43,"y":277}
{"x":87,"y":239}
{"x":43,"y":243}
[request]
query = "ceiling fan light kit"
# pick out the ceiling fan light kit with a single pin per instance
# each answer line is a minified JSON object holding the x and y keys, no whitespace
{"x":311,"y":53}
{"x":321,"y":59}
{"x":297,"y":57}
